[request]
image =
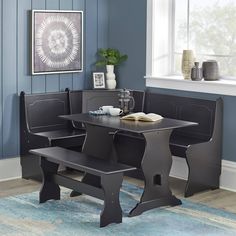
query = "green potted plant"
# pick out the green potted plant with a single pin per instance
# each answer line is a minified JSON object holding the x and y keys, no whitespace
{"x":110,"y":57}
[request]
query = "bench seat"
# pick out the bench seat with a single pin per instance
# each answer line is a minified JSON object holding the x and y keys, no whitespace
{"x":67,"y":138}
{"x":61,"y":134}
{"x":184,"y":141}
{"x":81,"y":161}
{"x":180,"y":143}
{"x":64,"y":137}
{"x":109,"y":174}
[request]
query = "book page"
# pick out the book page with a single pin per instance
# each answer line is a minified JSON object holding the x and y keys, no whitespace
{"x":141,"y":116}
{"x":154,"y":117}
{"x":134,"y":116}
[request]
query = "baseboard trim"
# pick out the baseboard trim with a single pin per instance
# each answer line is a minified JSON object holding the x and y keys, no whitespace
{"x":228,"y":176}
{"x":228,"y":172}
{"x":11,"y":169}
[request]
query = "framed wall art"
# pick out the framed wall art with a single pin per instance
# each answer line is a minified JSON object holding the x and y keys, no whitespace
{"x":99,"y":80}
{"x":57,"y":41}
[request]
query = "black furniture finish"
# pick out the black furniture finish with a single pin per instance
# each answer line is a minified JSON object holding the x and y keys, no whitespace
{"x":201,"y":145}
{"x":41,"y":127}
{"x":110,"y":176}
{"x":93,"y":99}
{"x":155,"y":163}
{"x":90,"y":100}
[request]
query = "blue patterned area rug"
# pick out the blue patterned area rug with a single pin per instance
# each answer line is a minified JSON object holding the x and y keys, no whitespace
{"x":23,"y":216}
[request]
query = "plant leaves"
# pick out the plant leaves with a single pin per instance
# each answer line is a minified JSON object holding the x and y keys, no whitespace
{"x":110,"y":56}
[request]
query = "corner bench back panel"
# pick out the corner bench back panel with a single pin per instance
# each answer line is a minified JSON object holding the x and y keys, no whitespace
{"x":92,"y":100}
{"x":42,"y":111}
{"x":184,"y":108}
{"x":75,"y":100}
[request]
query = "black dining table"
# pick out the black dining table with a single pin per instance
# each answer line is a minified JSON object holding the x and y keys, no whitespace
{"x":156,"y":160}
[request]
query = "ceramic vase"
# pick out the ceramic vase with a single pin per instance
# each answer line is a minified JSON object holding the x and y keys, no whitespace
{"x":111,"y":77}
{"x":187,"y":63}
{"x":210,"y":70}
{"x":196,"y":72}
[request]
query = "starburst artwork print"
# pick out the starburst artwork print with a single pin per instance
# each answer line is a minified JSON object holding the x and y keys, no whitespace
{"x":57,"y":41}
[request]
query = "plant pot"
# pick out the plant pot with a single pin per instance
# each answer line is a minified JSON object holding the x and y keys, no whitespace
{"x":111,"y":77}
{"x":111,"y":83}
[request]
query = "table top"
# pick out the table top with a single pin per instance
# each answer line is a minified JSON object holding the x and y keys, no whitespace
{"x":127,"y":125}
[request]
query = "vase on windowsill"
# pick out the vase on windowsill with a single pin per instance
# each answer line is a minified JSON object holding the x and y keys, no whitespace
{"x":187,"y":63}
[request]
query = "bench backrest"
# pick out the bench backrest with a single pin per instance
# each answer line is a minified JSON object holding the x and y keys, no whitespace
{"x":41,"y":111}
{"x":91,"y":100}
{"x":184,"y":108}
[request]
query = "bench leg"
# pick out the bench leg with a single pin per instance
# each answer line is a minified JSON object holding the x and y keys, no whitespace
{"x":112,"y":212}
{"x":204,"y":165}
{"x":49,"y":190}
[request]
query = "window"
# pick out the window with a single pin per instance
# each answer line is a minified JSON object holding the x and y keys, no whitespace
{"x":208,"y":27}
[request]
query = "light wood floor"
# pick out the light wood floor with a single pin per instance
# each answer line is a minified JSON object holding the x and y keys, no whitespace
{"x":218,"y":198}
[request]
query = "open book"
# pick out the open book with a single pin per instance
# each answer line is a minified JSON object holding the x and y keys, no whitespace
{"x":140,"y":116}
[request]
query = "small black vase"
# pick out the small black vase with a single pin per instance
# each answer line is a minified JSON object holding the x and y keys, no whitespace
{"x":196,"y":72}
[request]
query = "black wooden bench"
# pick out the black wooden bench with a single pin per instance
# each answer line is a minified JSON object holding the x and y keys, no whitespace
{"x":40,"y":126}
{"x":110,"y":173}
{"x":200,"y":145}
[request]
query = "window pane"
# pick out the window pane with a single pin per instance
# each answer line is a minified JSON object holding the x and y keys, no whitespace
{"x":161,"y":39}
{"x":209,"y":29}
{"x":181,"y":16}
{"x":177,"y":63}
{"x":181,"y":33}
{"x":213,"y":31}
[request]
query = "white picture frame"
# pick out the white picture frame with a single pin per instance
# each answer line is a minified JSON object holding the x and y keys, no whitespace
{"x":99,"y":80}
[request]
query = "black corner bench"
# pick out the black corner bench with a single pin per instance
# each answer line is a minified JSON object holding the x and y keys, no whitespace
{"x":110,"y":173}
{"x":200,"y":145}
{"x":40,"y":127}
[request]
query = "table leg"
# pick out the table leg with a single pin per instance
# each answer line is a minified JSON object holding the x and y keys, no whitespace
{"x":156,"y":165}
{"x":98,"y":143}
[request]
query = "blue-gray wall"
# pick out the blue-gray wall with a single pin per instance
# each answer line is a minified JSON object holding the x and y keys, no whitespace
{"x":14,"y":59}
{"x":114,"y":23}
{"x":127,"y":31}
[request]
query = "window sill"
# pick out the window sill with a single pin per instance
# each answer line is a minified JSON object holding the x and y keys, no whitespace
{"x":222,"y":86}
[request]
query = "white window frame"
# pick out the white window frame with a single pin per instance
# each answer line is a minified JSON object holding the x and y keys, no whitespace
{"x":225,"y":86}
